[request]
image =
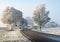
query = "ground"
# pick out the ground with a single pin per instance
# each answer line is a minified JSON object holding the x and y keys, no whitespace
{"x":12,"y":36}
{"x":55,"y":31}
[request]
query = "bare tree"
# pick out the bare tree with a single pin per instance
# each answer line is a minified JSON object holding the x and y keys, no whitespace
{"x":41,"y":15}
{"x":12,"y":16}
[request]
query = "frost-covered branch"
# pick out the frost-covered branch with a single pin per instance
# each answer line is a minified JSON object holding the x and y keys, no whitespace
{"x":41,"y":15}
{"x":12,"y":16}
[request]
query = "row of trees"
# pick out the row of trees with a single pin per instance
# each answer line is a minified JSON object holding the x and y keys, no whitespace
{"x":14,"y":17}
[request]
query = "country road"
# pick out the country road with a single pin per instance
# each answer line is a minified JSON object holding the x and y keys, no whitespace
{"x":40,"y":36}
{"x":35,"y":36}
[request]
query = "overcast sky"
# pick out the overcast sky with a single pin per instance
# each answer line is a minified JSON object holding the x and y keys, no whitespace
{"x":28,"y":6}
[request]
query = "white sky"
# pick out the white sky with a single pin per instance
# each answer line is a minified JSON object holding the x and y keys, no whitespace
{"x":28,"y":6}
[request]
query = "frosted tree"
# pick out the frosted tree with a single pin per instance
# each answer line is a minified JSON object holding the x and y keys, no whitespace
{"x":12,"y":17}
{"x":24,"y":24}
{"x":41,"y":15}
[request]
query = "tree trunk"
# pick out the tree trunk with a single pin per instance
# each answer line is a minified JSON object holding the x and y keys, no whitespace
{"x":10,"y":27}
{"x":40,"y":27}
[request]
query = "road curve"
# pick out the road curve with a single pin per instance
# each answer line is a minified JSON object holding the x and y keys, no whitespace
{"x":39,"y":36}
